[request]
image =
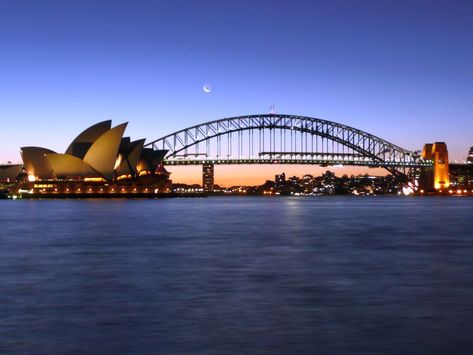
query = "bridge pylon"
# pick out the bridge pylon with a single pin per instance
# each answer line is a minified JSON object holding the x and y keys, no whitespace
{"x":435,"y":177}
{"x":208,"y":177}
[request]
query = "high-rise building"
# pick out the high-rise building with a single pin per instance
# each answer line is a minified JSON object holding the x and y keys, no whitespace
{"x":280,"y":179}
{"x":208,"y":177}
{"x":470,"y":156}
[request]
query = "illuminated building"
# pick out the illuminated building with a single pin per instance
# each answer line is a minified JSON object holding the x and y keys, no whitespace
{"x":436,"y":178}
{"x":99,"y":160}
{"x":208,"y":177}
{"x":9,"y":172}
{"x":461,"y":175}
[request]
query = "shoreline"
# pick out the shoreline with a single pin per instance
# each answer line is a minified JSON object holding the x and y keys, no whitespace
{"x":61,"y":196}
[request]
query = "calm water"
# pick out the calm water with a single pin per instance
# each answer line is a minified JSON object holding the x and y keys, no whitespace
{"x":324,"y":275}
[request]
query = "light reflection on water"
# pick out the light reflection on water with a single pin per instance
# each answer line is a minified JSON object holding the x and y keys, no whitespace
{"x":237,"y":275}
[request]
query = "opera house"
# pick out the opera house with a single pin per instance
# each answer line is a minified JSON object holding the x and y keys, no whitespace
{"x":99,"y":161}
{"x":10,"y":172}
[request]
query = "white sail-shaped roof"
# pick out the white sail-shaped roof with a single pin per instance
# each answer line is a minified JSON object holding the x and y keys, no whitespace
{"x":129,"y":162}
{"x":9,"y":172}
{"x":69,"y":166}
{"x":36,"y":164}
{"x":102,"y":155}
{"x":83,"y":141}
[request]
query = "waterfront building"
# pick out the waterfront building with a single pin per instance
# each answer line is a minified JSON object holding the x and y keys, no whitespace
{"x":280,"y":178}
{"x":461,"y":176}
{"x":98,"y":160}
{"x":9,"y":172}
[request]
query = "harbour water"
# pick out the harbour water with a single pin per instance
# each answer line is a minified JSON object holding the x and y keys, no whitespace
{"x":318,"y":275}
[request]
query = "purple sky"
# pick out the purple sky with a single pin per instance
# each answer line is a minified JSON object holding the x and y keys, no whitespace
{"x":402,"y":70}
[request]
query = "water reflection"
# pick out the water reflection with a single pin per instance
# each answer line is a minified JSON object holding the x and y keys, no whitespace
{"x":237,"y":275}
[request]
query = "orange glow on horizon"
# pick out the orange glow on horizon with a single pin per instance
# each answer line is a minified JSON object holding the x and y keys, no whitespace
{"x":235,"y":175}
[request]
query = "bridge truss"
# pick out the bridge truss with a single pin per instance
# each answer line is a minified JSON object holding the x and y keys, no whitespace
{"x":284,"y":139}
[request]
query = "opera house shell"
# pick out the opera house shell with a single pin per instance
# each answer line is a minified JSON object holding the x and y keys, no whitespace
{"x":10,"y":172}
{"x":99,"y":154}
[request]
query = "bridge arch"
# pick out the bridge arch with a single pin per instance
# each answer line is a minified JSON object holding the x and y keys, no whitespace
{"x":285,"y":139}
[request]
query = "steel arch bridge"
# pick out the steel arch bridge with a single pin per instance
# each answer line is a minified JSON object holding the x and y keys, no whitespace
{"x":283,"y":139}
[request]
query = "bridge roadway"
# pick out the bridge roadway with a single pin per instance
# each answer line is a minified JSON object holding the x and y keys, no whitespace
{"x":321,"y":162}
{"x":322,"y":159}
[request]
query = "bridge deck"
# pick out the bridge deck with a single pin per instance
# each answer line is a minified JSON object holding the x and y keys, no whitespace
{"x":322,"y":162}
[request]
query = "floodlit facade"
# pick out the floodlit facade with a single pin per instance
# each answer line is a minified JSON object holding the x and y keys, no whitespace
{"x":99,"y":152}
{"x":83,"y":141}
{"x":99,"y":155}
{"x":35,"y":162}
{"x":438,"y":177}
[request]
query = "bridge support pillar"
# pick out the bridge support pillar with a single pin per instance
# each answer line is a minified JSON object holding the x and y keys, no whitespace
{"x":208,"y":177}
{"x":437,"y":177}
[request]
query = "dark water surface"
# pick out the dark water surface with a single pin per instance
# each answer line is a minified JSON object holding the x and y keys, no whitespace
{"x":324,"y":275}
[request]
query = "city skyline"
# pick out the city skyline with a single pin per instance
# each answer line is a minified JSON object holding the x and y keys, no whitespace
{"x":67,"y":65}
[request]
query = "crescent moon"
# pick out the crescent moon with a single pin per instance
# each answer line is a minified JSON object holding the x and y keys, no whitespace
{"x":207,"y":88}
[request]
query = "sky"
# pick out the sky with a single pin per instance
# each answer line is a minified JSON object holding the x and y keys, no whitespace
{"x":401,"y":70}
